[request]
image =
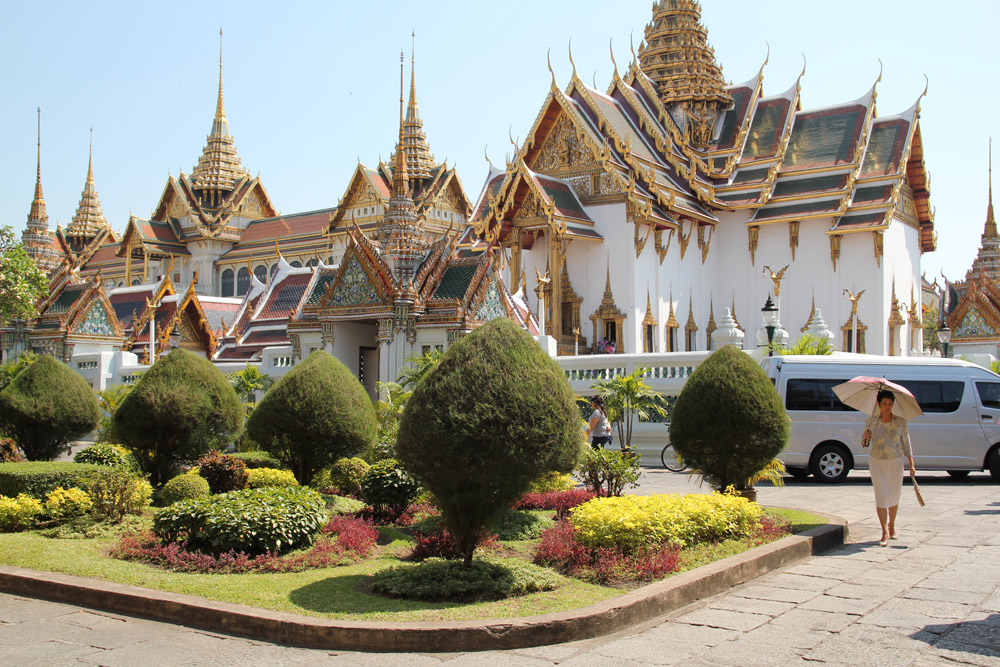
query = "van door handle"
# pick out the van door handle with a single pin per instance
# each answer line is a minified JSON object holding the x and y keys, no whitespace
{"x":986,"y":418}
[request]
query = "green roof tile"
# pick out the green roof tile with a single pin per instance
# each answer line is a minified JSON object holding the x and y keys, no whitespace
{"x":454,"y":282}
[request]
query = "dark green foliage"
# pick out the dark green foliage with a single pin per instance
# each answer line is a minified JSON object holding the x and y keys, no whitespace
{"x":439,"y":579}
{"x":317,"y":413}
{"x":37,"y":478}
{"x":517,"y":525}
{"x":223,"y":473}
{"x":388,"y":489}
{"x":347,"y":475}
{"x":179,"y":409}
{"x":258,"y":460}
{"x":607,"y":472}
{"x":45,"y":406}
{"x":253,"y":521}
{"x":184,"y":487}
{"x":10,"y":452}
{"x":494,"y":415}
{"x":728,"y":422}
{"x":106,"y":454}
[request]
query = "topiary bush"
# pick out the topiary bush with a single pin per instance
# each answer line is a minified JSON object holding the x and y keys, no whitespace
{"x":258,"y":478}
{"x":728,"y":422}
{"x":107,"y":454}
{"x":223,"y":473}
{"x":438,"y":579}
{"x":493,"y":416}
{"x":46,"y":406}
{"x":184,"y":487}
{"x":10,"y":452}
{"x":37,"y":478}
{"x":346,"y":475}
{"x":315,"y":414}
{"x":258,"y":460}
{"x":179,"y":409}
{"x":252,"y":521}
{"x":68,"y":503}
{"x":388,"y":489}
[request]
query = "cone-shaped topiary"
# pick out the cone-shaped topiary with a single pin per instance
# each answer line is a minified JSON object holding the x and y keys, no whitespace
{"x":179,"y":409}
{"x":46,"y":406}
{"x":728,"y":422}
{"x":494,"y":415}
{"x":317,"y":413}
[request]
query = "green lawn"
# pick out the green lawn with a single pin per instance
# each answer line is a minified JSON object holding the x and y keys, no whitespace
{"x":339,"y":593}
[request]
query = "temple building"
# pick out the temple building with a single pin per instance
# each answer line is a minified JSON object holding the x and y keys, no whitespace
{"x":640,"y":212}
{"x":973,"y":305}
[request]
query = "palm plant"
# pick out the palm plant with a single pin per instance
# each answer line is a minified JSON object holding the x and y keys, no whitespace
{"x":248,"y":382}
{"x":627,"y":397}
{"x":419,"y":366}
{"x":808,"y":344}
{"x":109,"y":399}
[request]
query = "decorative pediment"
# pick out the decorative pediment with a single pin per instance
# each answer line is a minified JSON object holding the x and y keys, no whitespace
{"x":353,"y":287}
{"x":491,"y":306}
{"x":974,"y":325}
{"x":563,"y":150}
{"x":96,"y":322}
{"x":253,"y":207}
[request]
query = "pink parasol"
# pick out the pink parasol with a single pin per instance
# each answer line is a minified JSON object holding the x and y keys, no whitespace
{"x":860,"y":392}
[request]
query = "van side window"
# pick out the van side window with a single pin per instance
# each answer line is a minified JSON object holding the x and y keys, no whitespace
{"x":803,"y":394}
{"x":989,"y":394}
{"x":936,"y":396}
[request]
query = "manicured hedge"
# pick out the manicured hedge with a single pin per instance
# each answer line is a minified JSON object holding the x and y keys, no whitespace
{"x":253,"y":521}
{"x":37,"y":478}
{"x":258,"y":460}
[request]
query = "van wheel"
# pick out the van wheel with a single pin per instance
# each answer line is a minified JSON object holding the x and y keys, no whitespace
{"x":994,"y":464}
{"x":959,"y":474}
{"x":829,"y":464}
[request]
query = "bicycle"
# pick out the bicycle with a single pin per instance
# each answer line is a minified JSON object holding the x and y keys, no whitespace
{"x":670,"y":460}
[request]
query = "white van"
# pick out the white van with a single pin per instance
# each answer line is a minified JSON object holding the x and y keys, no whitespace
{"x":959,"y":431}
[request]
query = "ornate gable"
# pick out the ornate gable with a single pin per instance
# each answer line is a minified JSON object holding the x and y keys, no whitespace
{"x":96,"y":322}
{"x":491,"y":306}
{"x":974,"y":325}
{"x":563,"y":150}
{"x":353,"y":287}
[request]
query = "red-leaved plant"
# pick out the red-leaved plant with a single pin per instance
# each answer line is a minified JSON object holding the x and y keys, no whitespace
{"x":560,"y":501}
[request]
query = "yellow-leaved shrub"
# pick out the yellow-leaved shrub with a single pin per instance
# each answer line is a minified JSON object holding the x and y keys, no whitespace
{"x":63,"y":503}
{"x":18,"y":513}
{"x":261,"y":477}
{"x":631,"y":522}
{"x":552,"y":481}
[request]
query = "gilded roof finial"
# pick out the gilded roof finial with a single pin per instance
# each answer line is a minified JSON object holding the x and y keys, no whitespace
{"x":38,"y":219}
{"x":611,"y":47}
{"x":803,"y":72}
{"x":548,"y":60}
{"x":89,"y":219}
{"x":220,"y":109}
{"x":419,"y":161}
{"x":571,"y":58}
{"x":991,"y":225}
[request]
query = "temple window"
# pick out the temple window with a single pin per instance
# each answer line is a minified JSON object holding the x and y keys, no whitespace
{"x":648,"y":329}
{"x":227,"y":282}
{"x":608,"y":321}
{"x":260,"y":272}
{"x":671,"y":332}
{"x":296,"y":264}
{"x":242,"y":281}
{"x":847,"y":335}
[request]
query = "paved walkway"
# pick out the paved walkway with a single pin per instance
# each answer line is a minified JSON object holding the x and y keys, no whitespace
{"x":932,"y":598}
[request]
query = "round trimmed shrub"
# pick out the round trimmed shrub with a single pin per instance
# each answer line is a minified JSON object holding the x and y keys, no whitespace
{"x":179,"y":409}
{"x":223,"y":473}
{"x":258,"y":478}
{"x":107,"y":454}
{"x":315,"y":414}
{"x":46,"y":406}
{"x":388,"y":489}
{"x":493,"y":416}
{"x":184,"y":487}
{"x":347,"y":475}
{"x":252,"y":521}
{"x":257,"y":460}
{"x":487,"y":579}
{"x":728,"y":422}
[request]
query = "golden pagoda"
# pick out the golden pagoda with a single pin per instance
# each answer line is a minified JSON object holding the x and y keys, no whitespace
{"x":988,"y":260}
{"x":219,"y":169}
{"x":419,"y":160}
{"x":37,"y":239}
{"x":89,"y":220}
{"x":676,"y":55}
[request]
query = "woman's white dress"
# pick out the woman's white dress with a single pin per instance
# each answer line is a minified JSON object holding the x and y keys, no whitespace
{"x":890,"y":443}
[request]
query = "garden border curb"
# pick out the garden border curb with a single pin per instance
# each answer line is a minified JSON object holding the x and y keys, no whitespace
{"x":598,"y":619}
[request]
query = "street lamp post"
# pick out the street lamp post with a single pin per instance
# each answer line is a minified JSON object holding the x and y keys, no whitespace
{"x":769,"y":316}
{"x":944,"y":337}
{"x":576,"y":341}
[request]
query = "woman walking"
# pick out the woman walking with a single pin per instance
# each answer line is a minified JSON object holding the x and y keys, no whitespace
{"x":599,"y":427}
{"x":890,"y":442}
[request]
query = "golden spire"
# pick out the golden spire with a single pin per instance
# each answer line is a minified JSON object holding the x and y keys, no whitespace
{"x":419,"y":161}
{"x":89,"y":219}
{"x":991,"y":224}
{"x":219,"y":167}
{"x":36,"y":237}
{"x":676,"y":55}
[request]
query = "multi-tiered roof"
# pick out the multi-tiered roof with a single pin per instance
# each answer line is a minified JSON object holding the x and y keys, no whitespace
{"x":38,"y":241}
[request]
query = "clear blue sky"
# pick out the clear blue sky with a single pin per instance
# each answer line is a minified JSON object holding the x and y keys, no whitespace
{"x":311,"y":87}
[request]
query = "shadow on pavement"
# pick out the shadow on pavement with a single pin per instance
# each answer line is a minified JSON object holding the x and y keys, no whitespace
{"x":979,"y":637}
